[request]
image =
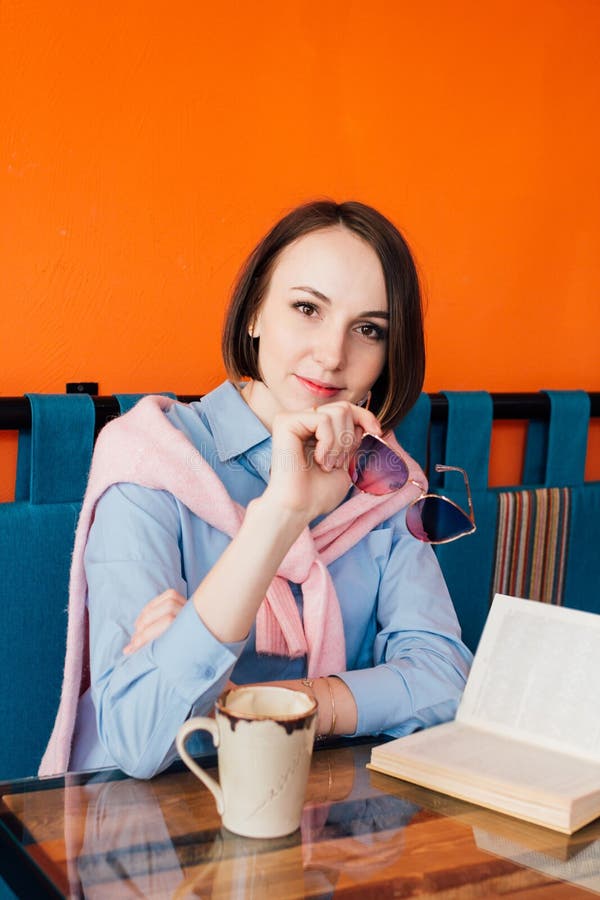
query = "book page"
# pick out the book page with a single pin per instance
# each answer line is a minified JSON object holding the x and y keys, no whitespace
{"x":460,"y":752}
{"x":536,"y":676}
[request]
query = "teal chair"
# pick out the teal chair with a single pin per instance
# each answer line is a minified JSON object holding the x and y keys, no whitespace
{"x":37,"y":532}
{"x":505,"y":554}
{"x":36,"y":540}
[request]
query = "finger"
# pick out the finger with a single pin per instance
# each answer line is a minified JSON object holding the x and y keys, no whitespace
{"x":294,"y":432}
{"x":341,"y":435}
{"x":364,"y":418}
{"x":143,"y":636}
{"x":349,"y":435}
{"x":169,"y":594}
{"x":168,"y":602}
{"x":146,"y":619}
{"x":325,"y":443}
{"x":168,"y":608}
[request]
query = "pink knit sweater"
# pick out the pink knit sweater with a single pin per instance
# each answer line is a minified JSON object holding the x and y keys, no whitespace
{"x":144,"y":448}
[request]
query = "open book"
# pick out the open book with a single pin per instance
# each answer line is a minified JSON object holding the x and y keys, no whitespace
{"x":526,"y":738}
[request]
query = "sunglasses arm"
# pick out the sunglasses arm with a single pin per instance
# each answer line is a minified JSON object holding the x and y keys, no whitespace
{"x":441,"y":468}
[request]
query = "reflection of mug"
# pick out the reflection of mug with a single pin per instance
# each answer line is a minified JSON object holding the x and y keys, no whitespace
{"x":264,"y":735}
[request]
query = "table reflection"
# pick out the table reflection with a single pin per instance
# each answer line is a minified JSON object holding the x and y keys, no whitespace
{"x":138,"y":837}
{"x":362,"y":834}
{"x":577,"y":864}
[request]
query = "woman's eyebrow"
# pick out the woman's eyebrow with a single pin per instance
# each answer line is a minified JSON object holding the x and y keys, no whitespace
{"x":376,"y":313}
{"x":313,"y":291}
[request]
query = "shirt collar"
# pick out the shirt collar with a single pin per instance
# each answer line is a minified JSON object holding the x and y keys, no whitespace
{"x":234,"y":426}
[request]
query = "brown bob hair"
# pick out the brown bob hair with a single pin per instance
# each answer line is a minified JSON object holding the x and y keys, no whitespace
{"x":401,"y":380}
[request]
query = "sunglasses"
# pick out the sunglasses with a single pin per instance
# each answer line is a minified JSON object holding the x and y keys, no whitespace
{"x":377,"y":469}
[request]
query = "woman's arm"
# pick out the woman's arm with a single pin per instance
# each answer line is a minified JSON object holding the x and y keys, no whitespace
{"x":308,"y":478}
{"x":337,"y":712}
{"x":419,"y":663}
{"x":141,"y":698}
{"x":415,"y":668}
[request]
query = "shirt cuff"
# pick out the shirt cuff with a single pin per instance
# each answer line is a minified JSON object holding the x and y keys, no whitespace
{"x":372,"y":689}
{"x":191,"y":657}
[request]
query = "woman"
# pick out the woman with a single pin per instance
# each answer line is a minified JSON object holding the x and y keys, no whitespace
{"x":326,"y":317}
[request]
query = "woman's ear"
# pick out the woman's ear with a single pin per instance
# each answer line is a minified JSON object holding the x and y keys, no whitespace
{"x":254,"y":327}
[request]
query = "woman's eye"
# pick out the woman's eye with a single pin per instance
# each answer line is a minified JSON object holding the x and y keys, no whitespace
{"x":373,"y":332}
{"x":307,"y":309}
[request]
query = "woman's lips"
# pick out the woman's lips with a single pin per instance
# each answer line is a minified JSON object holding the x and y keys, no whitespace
{"x":318,"y":389}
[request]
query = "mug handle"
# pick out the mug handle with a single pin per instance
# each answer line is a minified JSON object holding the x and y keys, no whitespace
{"x":200,"y":723}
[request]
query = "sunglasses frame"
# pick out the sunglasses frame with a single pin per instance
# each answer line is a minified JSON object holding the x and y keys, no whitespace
{"x":425,"y":493}
{"x":470,"y":515}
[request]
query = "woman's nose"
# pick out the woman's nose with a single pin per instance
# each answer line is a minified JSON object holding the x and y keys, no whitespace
{"x":329,"y":351}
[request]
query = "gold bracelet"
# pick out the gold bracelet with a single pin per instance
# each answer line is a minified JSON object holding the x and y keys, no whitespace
{"x":308,"y":682}
{"x":332,"y":698}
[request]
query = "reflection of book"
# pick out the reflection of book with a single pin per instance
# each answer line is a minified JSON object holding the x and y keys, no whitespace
{"x":582,"y":869}
{"x":526,"y":739}
{"x":534,"y":838}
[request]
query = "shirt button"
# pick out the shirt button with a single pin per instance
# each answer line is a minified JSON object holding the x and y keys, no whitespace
{"x":209,"y":672}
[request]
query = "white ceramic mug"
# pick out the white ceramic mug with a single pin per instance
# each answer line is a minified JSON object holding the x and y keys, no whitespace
{"x":264,"y":737}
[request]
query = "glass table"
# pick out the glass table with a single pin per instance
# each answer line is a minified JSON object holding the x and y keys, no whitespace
{"x":363,"y":834}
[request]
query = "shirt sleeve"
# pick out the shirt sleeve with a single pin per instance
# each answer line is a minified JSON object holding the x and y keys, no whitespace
{"x":133,"y":554}
{"x":420,"y":664}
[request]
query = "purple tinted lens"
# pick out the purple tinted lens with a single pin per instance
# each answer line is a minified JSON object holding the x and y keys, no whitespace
{"x":376,"y":469}
{"x":433,"y":519}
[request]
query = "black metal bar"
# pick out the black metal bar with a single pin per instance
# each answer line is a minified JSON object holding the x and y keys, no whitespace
{"x":15,"y":412}
{"x":513,"y":406}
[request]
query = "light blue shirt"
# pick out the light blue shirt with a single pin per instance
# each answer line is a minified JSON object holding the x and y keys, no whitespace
{"x":405,"y":663}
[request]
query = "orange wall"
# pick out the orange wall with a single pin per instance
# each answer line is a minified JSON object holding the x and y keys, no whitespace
{"x":145,"y":146}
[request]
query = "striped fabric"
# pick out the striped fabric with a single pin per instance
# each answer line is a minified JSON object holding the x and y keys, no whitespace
{"x":531,"y":544}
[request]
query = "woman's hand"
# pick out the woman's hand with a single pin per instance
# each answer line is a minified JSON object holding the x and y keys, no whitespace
{"x":311,"y":453}
{"x":155,"y":618}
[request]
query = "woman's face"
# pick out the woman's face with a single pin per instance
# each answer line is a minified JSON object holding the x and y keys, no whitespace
{"x":322,"y":325}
